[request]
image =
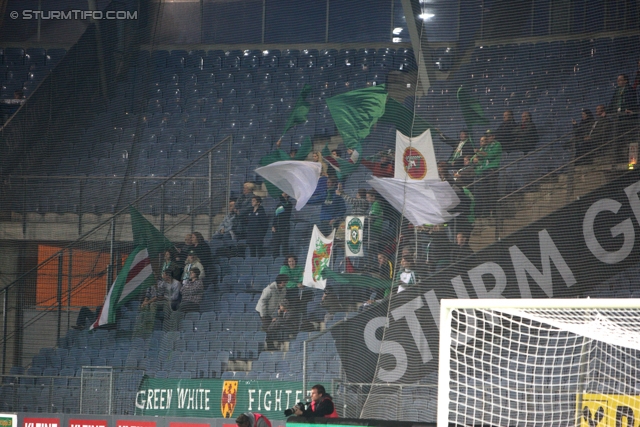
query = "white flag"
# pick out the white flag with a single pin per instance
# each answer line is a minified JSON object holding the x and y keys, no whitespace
{"x":421,"y":202}
{"x":318,"y":258}
{"x":353,"y":245}
{"x":415,"y":158}
{"x":298,"y":179}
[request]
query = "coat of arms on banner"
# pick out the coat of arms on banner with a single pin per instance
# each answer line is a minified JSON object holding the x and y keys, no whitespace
{"x":353,"y":237}
{"x":228,"y":401}
{"x":414,"y":163}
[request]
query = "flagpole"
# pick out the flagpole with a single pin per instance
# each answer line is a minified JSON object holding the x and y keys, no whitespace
{"x":211,"y":194}
{"x":228,"y":195}
{"x":111,"y":253}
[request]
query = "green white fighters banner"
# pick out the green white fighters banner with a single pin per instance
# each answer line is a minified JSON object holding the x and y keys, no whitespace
{"x":212,"y":398}
{"x":353,"y":236}
{"x":318,"y":258}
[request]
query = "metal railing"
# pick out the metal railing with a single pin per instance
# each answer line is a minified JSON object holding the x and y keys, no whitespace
{"x":100,"y":240}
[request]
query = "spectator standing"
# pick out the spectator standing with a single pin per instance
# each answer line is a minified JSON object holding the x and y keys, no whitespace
{"x":293,"y":271}
{"x":282,"y":326}
{"x":269,"y":301}
{"x":257,"y":224}
{"x":382,"y":168}
{"x":331,"y":303}
{"x":623,"y":107}
{"x":375,"y":213}
{"x":298,"y":298}
{"x":359,"y":204}
{"x":317,"y":157}
{"x":465,"y":175}
{"x":602,"y":128}
{"x":527,"y":134}
{"x":461,"y":250}
{"x":244,"y":207}
{"x":506,"y":132}
{"x":333,"y":208}
{"x":461,"y":148}
{"x":438,"y":249}
{"x":487,"y":160}
{"x":184,"y":249}
{"x":384,"y":268}
{"x":406,"y":277}
{"x":581,"y":131}
{"x":170,"y":265}
{"x":281,"y":227}
{"x":203,"y":251}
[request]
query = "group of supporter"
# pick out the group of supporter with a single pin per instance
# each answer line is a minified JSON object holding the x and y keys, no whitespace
{"x":472,"y":167}
{"x":421,"y":252}
{"x":247,"y":222}
{"x":181,"y":286}
{"x":613,"y":127}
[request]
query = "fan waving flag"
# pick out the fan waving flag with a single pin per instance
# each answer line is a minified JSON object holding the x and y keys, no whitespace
{"x":355,"y":112}
{"x":145,"y":234}
{"x":471,"y":109}
{"x":403,"y":118}
{"x":279,"y":155}
{"x":297,"y":179}
{"x":300,"y":111}
{"x":137,"y":272}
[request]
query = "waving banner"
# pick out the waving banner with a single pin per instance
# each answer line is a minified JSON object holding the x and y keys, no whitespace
{"x":415,"y":158}
{"x":318,"y":258}
{"x":297,"y":179}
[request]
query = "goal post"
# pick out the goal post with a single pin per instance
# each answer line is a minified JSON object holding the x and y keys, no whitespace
{"x":534,"y":362}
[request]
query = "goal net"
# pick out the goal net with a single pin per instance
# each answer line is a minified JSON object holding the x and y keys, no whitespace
{"x":539,"y":362}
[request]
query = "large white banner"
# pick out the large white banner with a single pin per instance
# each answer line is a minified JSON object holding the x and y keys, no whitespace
{"x":318,"y":258}
{"x":353,"y":242}
{"x":415,"y":158}
{"x":296,"y":178}
{"x":422,"y":202}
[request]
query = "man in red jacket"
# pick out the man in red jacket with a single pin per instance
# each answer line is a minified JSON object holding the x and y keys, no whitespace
{"x":252,"y":419}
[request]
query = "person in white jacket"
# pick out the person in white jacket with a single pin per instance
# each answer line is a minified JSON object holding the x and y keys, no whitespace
{"x":269,"y":301}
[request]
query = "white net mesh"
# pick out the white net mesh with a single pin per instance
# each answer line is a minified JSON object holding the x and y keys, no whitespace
{"x":536,"y":365}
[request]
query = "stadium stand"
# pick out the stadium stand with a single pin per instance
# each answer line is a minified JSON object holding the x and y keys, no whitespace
{"x":174,"y":105}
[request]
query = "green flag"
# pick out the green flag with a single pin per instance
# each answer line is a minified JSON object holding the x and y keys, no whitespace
{"x":403,"y":118}
{"x":355,"y":112}
{"x":300,"y":110}
{"x":137,"y":272}
{"x":471,"y":109}
{"x":146,"y":235}
{"x":304,"y":150}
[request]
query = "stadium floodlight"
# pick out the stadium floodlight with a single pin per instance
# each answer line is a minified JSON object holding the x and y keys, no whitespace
{"x":526,"y":362}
